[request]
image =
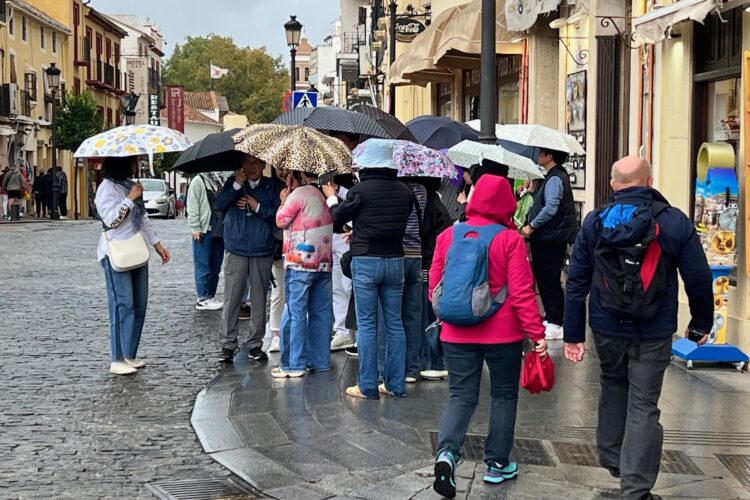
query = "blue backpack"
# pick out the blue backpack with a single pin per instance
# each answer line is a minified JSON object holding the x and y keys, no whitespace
{"x":463,"y":296}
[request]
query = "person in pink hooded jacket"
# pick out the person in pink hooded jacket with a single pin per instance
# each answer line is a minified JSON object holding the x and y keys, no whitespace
{"x":497,"y":341}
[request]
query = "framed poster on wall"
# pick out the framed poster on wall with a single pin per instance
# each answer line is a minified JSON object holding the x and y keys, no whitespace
{"x":575,"y":102}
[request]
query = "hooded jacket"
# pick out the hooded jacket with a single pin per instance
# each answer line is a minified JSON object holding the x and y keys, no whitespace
{"x":682,"y":250}
{"x":493,"y":203}
{"x":13,"y":180}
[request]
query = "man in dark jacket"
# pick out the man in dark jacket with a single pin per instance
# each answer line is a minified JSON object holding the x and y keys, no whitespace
{"x":634,"y":355}
{"x":551,"y":227}
{"x":379,"y":207}
{"x":248,"y":202}
{"x":62,"y":184}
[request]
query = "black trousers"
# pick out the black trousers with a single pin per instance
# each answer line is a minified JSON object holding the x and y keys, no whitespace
{"x":547,"y":262}
{"x":629,"y":435}
{"x":62,"y":202}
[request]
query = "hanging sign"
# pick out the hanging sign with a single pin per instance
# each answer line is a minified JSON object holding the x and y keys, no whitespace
{"x":408,"y":28}
{"x":176,"y":107}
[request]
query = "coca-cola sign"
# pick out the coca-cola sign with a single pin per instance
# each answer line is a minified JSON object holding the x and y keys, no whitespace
{"x":407,"y":28}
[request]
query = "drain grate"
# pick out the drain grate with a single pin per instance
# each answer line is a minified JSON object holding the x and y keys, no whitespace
{"x":739,"y":466}
{"x":525,"y":451}
{"x":201,"y":489}
{"x":677,"y":462}
{"x":671,"y":436}
{"x":576,"y":453}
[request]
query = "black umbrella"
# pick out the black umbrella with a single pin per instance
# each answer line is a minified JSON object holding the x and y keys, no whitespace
{"x":389,"y":122}
{"x":213,"y":153}
{"x":333,"y":119}
{"x":438,"y":132}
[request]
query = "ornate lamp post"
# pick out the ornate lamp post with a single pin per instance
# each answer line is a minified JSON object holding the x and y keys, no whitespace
{"x":488,"y":78}
{"x":293,"y":30}
{"x":53,"y":82}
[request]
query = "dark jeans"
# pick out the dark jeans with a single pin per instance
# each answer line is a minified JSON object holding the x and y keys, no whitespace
{"x":465,"y":363}
{"x":629,"y":435}
{"x":41,"y":208}
{"x":208,"y":255}
{"x":547,"y":261}
{"x":431,"y":358}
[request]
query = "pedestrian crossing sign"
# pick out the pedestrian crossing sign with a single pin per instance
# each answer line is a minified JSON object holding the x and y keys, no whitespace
{"x":302,"y":99}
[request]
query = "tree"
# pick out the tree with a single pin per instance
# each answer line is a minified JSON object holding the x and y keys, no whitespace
{"x":76,"y":120}
{"x":163,"y":163}
{"x":256,"y":82}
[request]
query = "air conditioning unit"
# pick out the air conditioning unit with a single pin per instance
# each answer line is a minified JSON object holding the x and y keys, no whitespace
{"x":9,"y":99}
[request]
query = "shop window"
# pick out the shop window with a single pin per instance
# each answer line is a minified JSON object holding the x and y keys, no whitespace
{"x":444,"y":100}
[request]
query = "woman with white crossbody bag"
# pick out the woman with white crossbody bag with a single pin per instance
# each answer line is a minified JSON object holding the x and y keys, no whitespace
{"x":123,"y":253}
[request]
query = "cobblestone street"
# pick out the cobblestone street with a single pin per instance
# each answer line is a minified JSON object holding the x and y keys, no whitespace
{"x":69,"y":428}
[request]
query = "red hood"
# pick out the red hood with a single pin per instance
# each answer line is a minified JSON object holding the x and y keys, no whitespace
{"x":492,"y":202}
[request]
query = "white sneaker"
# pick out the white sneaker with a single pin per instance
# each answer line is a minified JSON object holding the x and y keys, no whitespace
{"x":341,"y":342}
{"x":275,"y":345}
{"x":135,"y":363}
{"x":121,"y":368}
{"x":216,"y":304}
{"x":553,"y":331}
{"x":434,"y":374}
{"x":208,"y":305}
{"x":410,"y":380}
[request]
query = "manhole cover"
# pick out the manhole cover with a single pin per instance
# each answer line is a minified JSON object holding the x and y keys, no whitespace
{"x":201,"y":489}
{"x":525,"y":451}
{"x":739,"y":466}
{"x":576,"y":453}
{"x":676,"y":462}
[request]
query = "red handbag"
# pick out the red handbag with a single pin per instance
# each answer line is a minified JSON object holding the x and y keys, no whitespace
{"x":537,"y":374}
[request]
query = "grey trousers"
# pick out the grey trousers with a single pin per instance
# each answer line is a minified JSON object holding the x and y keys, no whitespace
{"x":238,"y":271}
{"x":629,"y":435}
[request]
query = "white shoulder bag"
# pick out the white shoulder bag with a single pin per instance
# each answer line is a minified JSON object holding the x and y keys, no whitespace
{"x":127,"y":254}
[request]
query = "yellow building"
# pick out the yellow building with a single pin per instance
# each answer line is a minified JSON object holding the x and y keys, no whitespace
{"x":92,"y":59}
{"x":30,"y":40}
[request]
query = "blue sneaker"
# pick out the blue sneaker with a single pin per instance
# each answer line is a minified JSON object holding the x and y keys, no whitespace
{"x":445,"y":475}
{"x":496,"y":474}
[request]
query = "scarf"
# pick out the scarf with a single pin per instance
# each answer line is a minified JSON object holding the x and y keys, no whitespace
{"x":139,"y":207}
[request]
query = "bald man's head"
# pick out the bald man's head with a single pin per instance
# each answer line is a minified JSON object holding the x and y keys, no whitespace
{"x":630,"y":171}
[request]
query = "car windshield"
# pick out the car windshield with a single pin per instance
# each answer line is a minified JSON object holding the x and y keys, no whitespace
{"x":153,"y":185}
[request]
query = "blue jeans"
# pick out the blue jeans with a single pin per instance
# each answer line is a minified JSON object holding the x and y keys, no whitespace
{"x":208,"y":254}
{"x":306,"y":335}
{"x":431,"y":358}
{"x":127,"y":296}
{"x":379,"y":282}
{"x":411,"y":314}
{"x":465,"y":363}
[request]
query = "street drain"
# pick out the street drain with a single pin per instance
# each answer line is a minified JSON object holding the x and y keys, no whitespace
{"x":201,"y":489}
{"x":671,"y":436}
{"x":672,"y":461}
{"x":739,"y":466}
{"x":677,"y":462}
{"x":525,"y":451}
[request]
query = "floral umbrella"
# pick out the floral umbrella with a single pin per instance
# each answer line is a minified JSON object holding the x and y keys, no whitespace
{"x":411,"y":159}
{"x":294,"y":147}
{"x":132,"y":140}
{"x":469,"y":153}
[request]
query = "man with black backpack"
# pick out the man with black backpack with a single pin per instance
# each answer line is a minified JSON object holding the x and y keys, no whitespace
{"x":627,"y":256}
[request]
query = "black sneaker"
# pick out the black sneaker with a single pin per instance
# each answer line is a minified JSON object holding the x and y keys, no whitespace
{"x":614,"y":472}
{"x":257,"y":354}
{"x":352,"y":351}
{"x":227,"y":355}
{"x":245,"y":312}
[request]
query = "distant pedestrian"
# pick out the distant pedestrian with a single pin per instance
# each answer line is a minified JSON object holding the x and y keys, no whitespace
{"x":207,"y":225}
{"x":62,"y":199}
{"x":38,"y":190}
{"x":13,"y":185}
{"x":248,"y":202}
{"x":551,"y":227}
{"x":119,"y":202}
{"x":633,"y":314}
{"x":4,"y":195}
{"x":308,"y":259}
{"x":48,"y":185}
{"x":496,"y":341}
{"x":379,"y":207}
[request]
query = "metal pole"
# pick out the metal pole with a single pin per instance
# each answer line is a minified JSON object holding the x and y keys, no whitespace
{"x":294,"y":69}
{"x":488,"y":79}
{"x":392,"y":56}
{"x":54,"y":212}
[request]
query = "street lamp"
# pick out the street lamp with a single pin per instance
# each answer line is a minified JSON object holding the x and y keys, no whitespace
{"x":293,"y":30}
{"x":53,"y":82}
{"x":488,"y":75}
{"x":392,"y":55}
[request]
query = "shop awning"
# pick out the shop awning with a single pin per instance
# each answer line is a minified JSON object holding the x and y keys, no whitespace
{"x":652,"y":27}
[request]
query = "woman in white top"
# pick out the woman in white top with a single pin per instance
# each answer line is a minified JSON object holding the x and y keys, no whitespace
{"x":119,"y":203}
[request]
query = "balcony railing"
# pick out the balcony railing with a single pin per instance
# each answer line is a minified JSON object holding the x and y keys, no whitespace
{"x":24,"y":103}
{"x":153,"y":79}
{"x":350,"y":42}
{"x":83,"y":55}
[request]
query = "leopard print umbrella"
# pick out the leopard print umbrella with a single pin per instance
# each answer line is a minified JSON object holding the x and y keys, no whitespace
{"x":294,"y":147}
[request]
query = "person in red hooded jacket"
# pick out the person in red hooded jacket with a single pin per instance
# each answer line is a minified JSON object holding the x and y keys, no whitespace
{"x":497,"y":341}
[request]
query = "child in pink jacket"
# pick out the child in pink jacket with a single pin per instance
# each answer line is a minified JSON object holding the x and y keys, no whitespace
{"x":496,"y":341}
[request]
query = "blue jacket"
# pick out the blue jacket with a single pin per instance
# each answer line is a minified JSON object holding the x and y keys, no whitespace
{"x":682,"y":250}
{"x":249,"y":235}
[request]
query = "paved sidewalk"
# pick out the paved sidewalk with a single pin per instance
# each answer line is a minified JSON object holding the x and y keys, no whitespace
{"x":302,"y":438}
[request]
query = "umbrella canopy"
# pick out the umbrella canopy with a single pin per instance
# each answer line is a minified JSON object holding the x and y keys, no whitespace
{"x":133,"y":140}
{"x":213,"y":153}
{"x":470,"y":152}
{"x":477,"y":125}
{"x":294,"y":147}
{"x":334,"y":119}
{"x":409,"y":158}
{"x":439,"y":132}
{"x":538,"y":136}
{"x":390,"y":123}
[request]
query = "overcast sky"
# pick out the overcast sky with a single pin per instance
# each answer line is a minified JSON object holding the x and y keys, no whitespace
{"x":248,"y":22}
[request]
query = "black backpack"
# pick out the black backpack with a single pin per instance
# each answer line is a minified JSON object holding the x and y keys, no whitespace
{"x":632,"y":280}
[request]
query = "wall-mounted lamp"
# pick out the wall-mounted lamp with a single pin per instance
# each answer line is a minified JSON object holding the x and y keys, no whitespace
{"x":558,"y":23}
{"x":518,"y":39}
{"x":577,"y":17}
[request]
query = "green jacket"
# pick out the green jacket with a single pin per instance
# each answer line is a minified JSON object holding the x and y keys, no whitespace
{"x":198,"y":206}
{"x":522,"y":209}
